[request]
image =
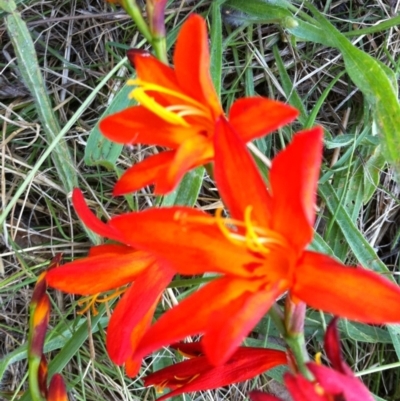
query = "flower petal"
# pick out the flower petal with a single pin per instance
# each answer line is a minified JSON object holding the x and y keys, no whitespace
{"x":150,"y":69}
{"x":334,"y":383}
{"x":192,"y":63}
{"x":89,"y":218}
{"x":188,"y":239}
{"x":353,"y":293}
{"x":302,"y":390}
{"x":134,"y":312}
{"x":101,"y":272}
{"x":233,"y":322}
{"x":197,"y":374}
{"x":191,"y":153}
{"x":294,"y":176}
{"x":254,"y":117}
{"x":333,"y":350}
{"x":57,"y":389}
{"x":139,"y":125}
{"x":178,"y":322}
{"x":150,"y":171}
{"x":238,"y":178}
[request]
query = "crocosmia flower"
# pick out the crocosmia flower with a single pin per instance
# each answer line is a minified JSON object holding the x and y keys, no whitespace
{"x":197,"y":374}
{"x":260,"y":251}
{"x":135,"y":274}
{"x":178,"y":109}
{"x":337,"y":383}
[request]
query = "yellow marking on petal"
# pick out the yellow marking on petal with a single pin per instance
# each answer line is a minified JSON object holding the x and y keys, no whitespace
{"x":318,"y":358}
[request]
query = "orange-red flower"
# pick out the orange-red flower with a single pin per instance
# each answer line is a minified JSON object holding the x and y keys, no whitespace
{"x":179,"y":109}
{"x":331,"y":384}
{"x":197,"y":374}
{"x":260,"y":251}
{"x":110,"y":267}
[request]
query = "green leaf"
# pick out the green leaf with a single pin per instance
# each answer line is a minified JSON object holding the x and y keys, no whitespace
{"x":376,"y":84}
{"x":100,"y":150}
{"x":216,"y":46}
{"x":188,"y":190}
{"x":362,"y":250}
{"x":30,"y":72}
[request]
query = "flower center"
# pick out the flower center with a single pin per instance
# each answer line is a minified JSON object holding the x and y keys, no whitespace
{"x":173,"y":114}
{"x":256,"y":239}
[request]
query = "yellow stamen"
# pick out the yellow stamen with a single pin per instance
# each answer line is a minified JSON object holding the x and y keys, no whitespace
{"x":92,"y":300}
{"x":318,"y":358}
{"x":256,"y":239}
{"x":186,"y":378}
{"x":90,"y":304}
{"x":160,"y":387}
{"x":169,"y":114}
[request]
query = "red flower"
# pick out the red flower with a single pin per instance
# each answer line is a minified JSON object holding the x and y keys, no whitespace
{"x":110,"y":267}
{"x":179,"y":109}
{"x":260,"y":251}
{"x":197,"y":374}
{"x":331,"y":384}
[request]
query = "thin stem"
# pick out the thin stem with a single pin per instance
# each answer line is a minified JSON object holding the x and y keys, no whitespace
{"x":297,"y":344}
{"x":160,"y":48}
{"x":135,"y":13}
{"x":276,"y":316}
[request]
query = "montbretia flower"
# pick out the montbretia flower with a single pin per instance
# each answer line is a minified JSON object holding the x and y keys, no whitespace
{"x":330,"y":384}
{"x":116,"y":267}
{"x":260,"y":252}
{"x":197,"y":374}
{"x":178,"y":109}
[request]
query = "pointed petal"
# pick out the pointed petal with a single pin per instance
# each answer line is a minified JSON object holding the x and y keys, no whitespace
{"x":332,"y":348}
{"x":188,"y":239}
{"x":178,"y":322}
{"x":294,"y":176}
{"x":57,"y":389}
{"x":149,"y":69}
{"x":238,"y":178}
{"x":100,"y":273}
{"x":254,"y":117}
{"x":191,"y":153}
{"x":301,"y":389}
{"x":88,"y":217}
{"x":334,"y":383}
{"x":150,"y":171}
{"x":192,"y":63}
{"x":134,"y":312}
{"x":139,"y":125}
{"x":197,"y":374}
{"x":232,"y":323}
{"x":353,"y":293}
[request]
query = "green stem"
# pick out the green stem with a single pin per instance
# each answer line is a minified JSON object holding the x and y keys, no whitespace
{"x":297,"y":344}
{"x":276,"y":316}
{"x":135,"y":13}
{"x":160,"y":48}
